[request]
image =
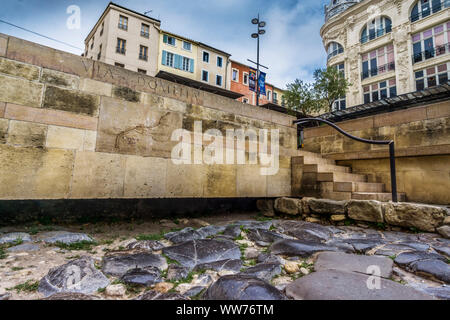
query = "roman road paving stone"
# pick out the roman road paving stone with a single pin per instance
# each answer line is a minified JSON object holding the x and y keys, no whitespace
{"x":305,"y":230}
{"x":299,"y":248}
{"x":195,"y":252}
{"x":264,"y":237}
{"x":406,"y":259}
{"x":15,"y":237}
{"x":176,"y":272}
{"x":65,"y":237}
{"x":155,"y":295}
{"x":147,"y":276}
{"x":78,"y":276}
{"x":117,"y":264}
{"x":353,"y":263}
{"x":364,"y":245}
{"x":24,"y":248}
{"x":442,"y":249}
{"x":188,"y":234}
{"x":435,"y":268}
{"x":71,"y":296}
{"x":227,"y":265}
{"x":241,"y":287}
{"x":340,"y":285}
{"x":264,"y":271}
{"x":150,"y":245}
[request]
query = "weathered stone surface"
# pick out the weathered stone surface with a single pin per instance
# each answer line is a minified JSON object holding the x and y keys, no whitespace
{"x":164,"y":287}
{"x":288,"y":206}
{"x":77,"y":276}
{"x":364,"y":245}
{"x":145,"y":177}
{"x":24,"y":247}
{"x":147,"y":276}
{"x":251,"y":253}
{"x":176,"y":272}
{"x":422,"y":217}
{"x":407,"y":258}
{"x":96,"y":87}
{"x":188,"y":234}
{"x":291,"y":267}
{"x":442,"y":293}
{"x":18,"y":69}
{"x":227,"y":265}
{"x":150,"y":245}
{"x":60,"y":79}
{"x":26,"y":134}
{"x":241,"y":287}
{"x":444,"y":231}
{"x":65,"y":138}
{"x":232,"y":231}
{"x":325,"y":206}
{"x":118,"y":264}
{"x":71,"y":101}
{"x":126,"y":94}
{"x":195,"y":291}
{"x":4,"y":125}
{"x":5,"y":296}
{"x":115,"y":290}
{"x":266,"y":206}
{"x":3,"y":45}
{"x":155,"y":295}
{"x":269,"y":258}
{"x":264,"y":237}
{"x":71,"y":296}
{"x":15,"y":237}
{"x":447,"y":221}
{"x":435,"y":268}
{"x":442,"y":249}
{"x":254,"y":224}
{"x":299,"y":248}
{"x":338,"y":217}
{"x":353,"y":263}
{"x":195,"y":252}
{"x":340,"y":285}
{"x":264,"y":271}
{"x":305,"y":230}
{"x":370,"y":211}
{"x":65,"y":237}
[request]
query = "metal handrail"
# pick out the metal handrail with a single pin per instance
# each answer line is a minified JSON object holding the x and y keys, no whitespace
{"x":391,"y":144}
{"x":431,"y":53}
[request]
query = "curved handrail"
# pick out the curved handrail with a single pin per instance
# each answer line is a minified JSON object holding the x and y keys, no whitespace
{"x":390,"y":143}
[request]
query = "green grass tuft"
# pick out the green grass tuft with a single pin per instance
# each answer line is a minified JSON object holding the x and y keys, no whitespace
{"x":77,"y":246}
{"x":29,"y":286}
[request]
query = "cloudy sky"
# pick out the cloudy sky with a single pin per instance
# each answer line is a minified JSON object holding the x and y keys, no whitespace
{"x":292,"y":47}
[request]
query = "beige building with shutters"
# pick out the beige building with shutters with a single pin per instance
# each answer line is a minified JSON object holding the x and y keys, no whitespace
{"x":387,"y":48}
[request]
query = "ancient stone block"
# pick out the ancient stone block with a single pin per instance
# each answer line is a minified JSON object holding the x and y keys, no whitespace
{"x":288,"y":206}
{"x":185,"y":180}
{"x":96,"y":87}
{"x":422,"y":217}
{"x":444,"y":231}
{"x":3,"y":44}
{"x":370,"y":211}
{"x":34,"y":173}
{"x":48,"y":116}
{"x":220,"y":181}
{"x":126,"y":94}
{"x":135,"y":129}
{"x":2,"y":109}
{"x":20,"y":91}
{"x":26,"y":134}
{"x":145,"y":177}
{"x":324,"y":206}
{"x":4,"y":124}
{"x":65,"y":138}
{"x":90,"y":140}
{"x":266,"y":206}
{"x":279,"y":184}
{"x":18,"y":69}
{"x":152,"y":100}
{"x":250,"y":182}
{"x":60,"y":79}
{"x":71,"y":101}
{"x":98,"y":176}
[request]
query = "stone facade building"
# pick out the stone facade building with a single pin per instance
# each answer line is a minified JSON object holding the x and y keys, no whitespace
{"x":387,"y":48}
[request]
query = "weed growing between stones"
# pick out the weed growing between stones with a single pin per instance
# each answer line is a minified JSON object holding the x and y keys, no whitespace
{"x":3,"y":254}
{"x":77,"y":246}
{"x":150,"y":237}
{"x":28,"y":287}
{"x":170,"y":261}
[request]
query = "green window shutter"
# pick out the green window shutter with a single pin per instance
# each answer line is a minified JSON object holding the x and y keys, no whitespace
{"x":164,"y":57}
{"x":191,"y":63}
{"x":165,"y":38}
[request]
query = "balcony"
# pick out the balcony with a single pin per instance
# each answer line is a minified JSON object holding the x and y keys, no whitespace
{"x":120,"y":50}
{"x":335,"y":53}
{"x":431,"y":53}
{"x":374,"y":72}
{"x":373,"y":34}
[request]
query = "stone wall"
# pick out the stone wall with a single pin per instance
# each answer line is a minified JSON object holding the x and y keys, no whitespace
{"x":422,"y":140}
{"x":74,"y":128}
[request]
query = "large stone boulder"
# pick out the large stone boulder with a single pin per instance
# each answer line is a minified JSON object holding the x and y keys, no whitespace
{"x":144,"y":277}
{"x":65,"y":237}
{"x":327,"y":207}
{"x":264,"y":271}
{"x":242,"y":287}
{"x":77,"y":276}
{"x":266,"y":206}
{"x":288,"y":206}
{"x":14,"y":237}
{"x":420,"y":216}
{"x":341,"y":285}
{"x":117,"y":264}
{"x":361,"y":210}
{"x":444,"y":231}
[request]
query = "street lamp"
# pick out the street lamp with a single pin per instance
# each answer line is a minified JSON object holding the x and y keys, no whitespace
{"x":261,"y":31}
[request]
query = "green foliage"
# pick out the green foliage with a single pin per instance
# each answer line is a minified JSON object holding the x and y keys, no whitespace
{"x":29,"y":286}
{"x":152,"y":237}
{"x":300,"y":96}
{"x":77,"y":246}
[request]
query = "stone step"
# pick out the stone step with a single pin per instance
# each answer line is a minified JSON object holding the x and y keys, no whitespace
{"x":358,"y":187}
{"x":308,"y":154}
{"x":383,"y":197}
{"x":338,"y":196}
{"x":325,"y":168}
{"x":340,"y":177}
{"x":312,"y":160}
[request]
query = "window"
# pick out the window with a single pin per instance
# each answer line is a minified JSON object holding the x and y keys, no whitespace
{"x":119,"y":65}
{"x":142,"y":71}
{"x":121,"y":46}
{"x":145,"y":30}
{"x":205,"y":56}
{"x":424,"y":8}
{"x":92,"y":43}
{"x":432,"y":76}
{"x":378,"y":61}
{"x":103,"y":28}
{"x":186,"y":64}
{"x":219,"y":80}
{"x":431,"y":43}
{"x":220,"y":62}
{"x":376,"y":28}
{"x":235,"y":75}
{"x":245,"y":78}
{"x":269,"y":95}
{"x":143,"y":53}
{"x":169,"y":40}
{"x":334,"y":49}
{"x":340,"y":104}
{"x":187,"y":46}
{"x":123,"y":23}
{"x":169,"y":59}
{"x":205,"y":76}
{"x":99,"y":52}
{"x":379,"y":91}
{"x":275,"y":97}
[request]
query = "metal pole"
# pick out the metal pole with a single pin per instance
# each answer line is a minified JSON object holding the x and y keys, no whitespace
{"x":257,"y":67}
{"x":393,"y":172}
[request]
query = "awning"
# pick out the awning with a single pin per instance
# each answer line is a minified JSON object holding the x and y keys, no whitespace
{"x":276,"y":107}
{"x":198,"y":85}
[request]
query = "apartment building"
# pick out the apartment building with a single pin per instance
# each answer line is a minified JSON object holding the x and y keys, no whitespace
{"x":125,"y":38}
{"x":387,"y":48}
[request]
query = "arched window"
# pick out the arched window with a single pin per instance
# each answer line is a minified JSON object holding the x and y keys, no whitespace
{"x":424,"y":8}
{"x":334,"y":49}
{"x":376,"y":28}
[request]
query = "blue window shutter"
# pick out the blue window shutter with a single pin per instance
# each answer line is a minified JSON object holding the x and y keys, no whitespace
{"x":177,"y":61}
{"x":191,"y":63}
{"x":165,"y":38}
{"x":164,"y":57}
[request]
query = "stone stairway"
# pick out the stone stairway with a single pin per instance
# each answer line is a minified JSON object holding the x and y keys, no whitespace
{"x":321,"y":177}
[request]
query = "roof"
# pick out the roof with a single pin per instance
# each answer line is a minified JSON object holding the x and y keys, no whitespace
{"x":404,"y":101}
{"x":198,"y":85}
{"x":275,"y":107}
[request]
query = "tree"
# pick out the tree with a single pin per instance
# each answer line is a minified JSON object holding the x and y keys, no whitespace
{"x":300,"y":96}
{"x":330,"y":85}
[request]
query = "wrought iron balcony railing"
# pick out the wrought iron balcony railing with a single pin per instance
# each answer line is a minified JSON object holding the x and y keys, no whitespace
{"x":433,"y":9}
{"x":431,"y":53}
{"x":381,"y":69}
{"x":372,"y":35}
{"x":335,"y":53}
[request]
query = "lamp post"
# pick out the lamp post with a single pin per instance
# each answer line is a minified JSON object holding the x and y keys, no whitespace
{"x":261,"y":31}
